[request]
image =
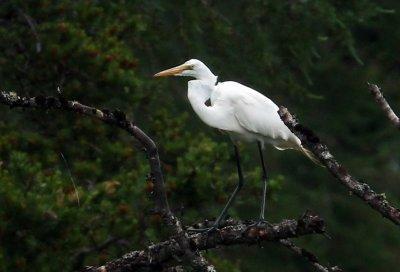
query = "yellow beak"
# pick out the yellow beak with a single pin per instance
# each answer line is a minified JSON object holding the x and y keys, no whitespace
{"x":173,"y":71}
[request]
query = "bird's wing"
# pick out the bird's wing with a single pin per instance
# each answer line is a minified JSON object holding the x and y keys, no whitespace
{"x":258,"y":114}
{"x":258,"y":117}
{"x":263,"y":120}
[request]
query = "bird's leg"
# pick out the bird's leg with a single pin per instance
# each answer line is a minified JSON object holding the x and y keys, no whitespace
{"x":235,"y":192}
{"x":261,"y":219}
{"x":265,"y":182}
{"x":231,"y":198}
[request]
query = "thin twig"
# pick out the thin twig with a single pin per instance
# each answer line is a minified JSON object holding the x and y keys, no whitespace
{"x":32,"y":26}
{"x":309,"y":256}
{"x":384,"y":105}
{"x":71,"y":178}
{"x":80,"y":255}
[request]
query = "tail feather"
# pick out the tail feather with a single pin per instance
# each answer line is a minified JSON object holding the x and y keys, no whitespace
{"x":311,"y":156}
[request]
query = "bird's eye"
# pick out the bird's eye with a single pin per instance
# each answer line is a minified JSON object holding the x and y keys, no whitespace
{"x":191,"y":66}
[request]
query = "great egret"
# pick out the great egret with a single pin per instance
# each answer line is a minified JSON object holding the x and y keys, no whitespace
{"x":245,"y":114}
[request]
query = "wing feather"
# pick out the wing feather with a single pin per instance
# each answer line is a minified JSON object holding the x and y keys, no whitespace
{"x":258,"y":114}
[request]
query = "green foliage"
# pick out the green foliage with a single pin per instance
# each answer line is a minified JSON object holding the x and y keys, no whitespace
{"x":314,"y":56}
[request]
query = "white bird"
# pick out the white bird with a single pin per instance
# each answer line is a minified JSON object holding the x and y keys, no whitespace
{"x":245,"y":114}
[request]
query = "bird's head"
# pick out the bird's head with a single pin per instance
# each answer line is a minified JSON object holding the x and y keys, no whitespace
{"x":192,"y":68}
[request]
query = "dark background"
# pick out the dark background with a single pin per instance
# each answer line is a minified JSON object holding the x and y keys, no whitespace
{"x":314,"y":57}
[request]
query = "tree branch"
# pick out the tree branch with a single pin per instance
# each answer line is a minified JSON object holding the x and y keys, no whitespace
{"x":32,"y":25}
{"x":384,"y":105}
{"x":234,"y":233}
{"x":309,"y":140}
{"x":309,"y":256}
{"x":118,"y":118}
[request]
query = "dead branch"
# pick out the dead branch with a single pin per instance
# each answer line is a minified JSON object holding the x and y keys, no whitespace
{"x":118,"y":118}
{"x":384,"y":105}
{"x":308,"y":139}
{"x":309,"y":256}
{"x":234,"y":233}
{"x":306,"y":254}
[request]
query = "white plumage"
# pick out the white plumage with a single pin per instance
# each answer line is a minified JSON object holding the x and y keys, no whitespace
{"x":242,"y":112}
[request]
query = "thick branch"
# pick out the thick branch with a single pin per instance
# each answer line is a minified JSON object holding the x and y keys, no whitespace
{"x":384,"y":105}
{"x":309,"y":256}
{"x":235,"y":233}
{"x":118,"y":118}
{"x":308,"y":139}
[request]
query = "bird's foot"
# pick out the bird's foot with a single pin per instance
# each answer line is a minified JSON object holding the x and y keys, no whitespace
{"x":261,"y":223}
{"x":203,"y":230}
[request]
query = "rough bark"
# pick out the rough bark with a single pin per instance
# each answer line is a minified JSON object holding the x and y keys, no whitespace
{"x":384,"y":105}
{"x":309,"y":140}
{"x":234,"y":233}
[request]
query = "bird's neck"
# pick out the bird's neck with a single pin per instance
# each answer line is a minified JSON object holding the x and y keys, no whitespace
{"x":210,"y":79}
{"x":206,"y":76}
{"x":199,"y":91}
